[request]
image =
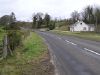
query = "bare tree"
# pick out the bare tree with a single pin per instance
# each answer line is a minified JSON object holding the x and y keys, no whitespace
{"x":75,"y":16}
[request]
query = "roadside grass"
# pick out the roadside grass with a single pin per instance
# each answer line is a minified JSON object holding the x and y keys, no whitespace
{"x":25,"y":58}
{"x":85,"y":35}
{"x":1,"y":35}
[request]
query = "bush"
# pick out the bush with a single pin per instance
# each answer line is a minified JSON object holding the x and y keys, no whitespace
{"x":51,"y":27}
{"x":14,"y":39}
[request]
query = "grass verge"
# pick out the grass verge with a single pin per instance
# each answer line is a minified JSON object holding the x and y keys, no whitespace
{"x":1,"y":35}
{"x":85,"y":35}
{"x":30,"y":59}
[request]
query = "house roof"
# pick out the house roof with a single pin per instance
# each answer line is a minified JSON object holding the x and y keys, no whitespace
{"x":92,"y":25}
{"x":76,"y":23}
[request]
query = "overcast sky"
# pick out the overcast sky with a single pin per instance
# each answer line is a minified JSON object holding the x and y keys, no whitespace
{"x":56,"y":8}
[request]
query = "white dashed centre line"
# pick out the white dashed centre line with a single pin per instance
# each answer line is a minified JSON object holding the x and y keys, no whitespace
{"x":58,"y":37}
{"x":67,"y":41}
{"x":91,"y":51}
{"x":73,"y":43}
{"x":84,"y":48}
{"x":70,"y":42}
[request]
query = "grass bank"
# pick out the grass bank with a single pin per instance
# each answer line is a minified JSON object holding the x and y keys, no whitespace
{"x":31,"y":58}
{"x":1,"y":34}
{"x":85,"y":35}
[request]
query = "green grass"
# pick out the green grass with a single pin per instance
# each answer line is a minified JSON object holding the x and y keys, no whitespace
{"x":1,"y":35}
{"x":85,"y":35}
{"x":31,"y":51}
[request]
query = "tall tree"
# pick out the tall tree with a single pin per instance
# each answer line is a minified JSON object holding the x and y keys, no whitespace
{"x":84,"y":16}
{"x":88,"y":15}
{"x":40,"y":22}
{"x":37,"y":20}
{"x":97,"y":19}
{"x":4,"y":20}
{"x":12,"y":22}
{"x":97,"y":15}
{"x":75,"y":16}
{"x":7,"y":19}
{"x":47,"y":19}
{"x":12,"y":17}
{"x":34,"y":21}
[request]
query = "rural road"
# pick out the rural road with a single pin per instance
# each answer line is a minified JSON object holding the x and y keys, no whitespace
{"x":73,"y":56}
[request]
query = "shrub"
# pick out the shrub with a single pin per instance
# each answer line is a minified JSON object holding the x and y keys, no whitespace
{"x":14,"y":39}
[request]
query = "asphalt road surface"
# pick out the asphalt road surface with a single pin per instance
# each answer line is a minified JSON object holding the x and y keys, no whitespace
{"x":73,"y":56}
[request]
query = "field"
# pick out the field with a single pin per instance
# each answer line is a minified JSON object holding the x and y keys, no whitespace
{"x":85,"y":35}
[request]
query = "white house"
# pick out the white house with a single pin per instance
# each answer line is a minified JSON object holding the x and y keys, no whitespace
{"x":81,"y":26}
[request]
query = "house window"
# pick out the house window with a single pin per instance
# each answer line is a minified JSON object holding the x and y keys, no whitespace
{"x":84,"y":28}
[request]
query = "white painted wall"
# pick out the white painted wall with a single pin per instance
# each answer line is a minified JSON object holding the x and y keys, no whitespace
{"x":92,"y":29}
{"x":81,"y":26}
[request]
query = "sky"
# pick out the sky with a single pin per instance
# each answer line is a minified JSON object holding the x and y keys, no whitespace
{"x":24,"y":9}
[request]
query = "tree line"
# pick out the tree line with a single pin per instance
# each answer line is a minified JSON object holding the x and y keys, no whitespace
{"x":90,"y":15}
{"x":41,"y":20}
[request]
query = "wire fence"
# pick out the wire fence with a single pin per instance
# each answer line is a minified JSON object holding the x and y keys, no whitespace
{"x":11,"y":39}
{"x":1,"y":48}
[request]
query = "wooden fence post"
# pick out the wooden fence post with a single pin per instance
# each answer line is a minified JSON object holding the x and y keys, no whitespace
{"x":5,"y":46}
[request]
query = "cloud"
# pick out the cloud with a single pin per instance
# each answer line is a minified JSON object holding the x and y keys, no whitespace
{"x":56,"y":8}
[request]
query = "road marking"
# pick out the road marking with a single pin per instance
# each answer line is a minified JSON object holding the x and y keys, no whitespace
{"x":73,"y":43}
{"x":67,"y":41}
{"x":70,"y":42}
{"x":91,"y":51}
{"x":58,"y":37}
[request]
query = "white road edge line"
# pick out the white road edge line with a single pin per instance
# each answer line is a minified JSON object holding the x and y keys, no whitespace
{"x":70,"y":42}
{"x":91,"y":51}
